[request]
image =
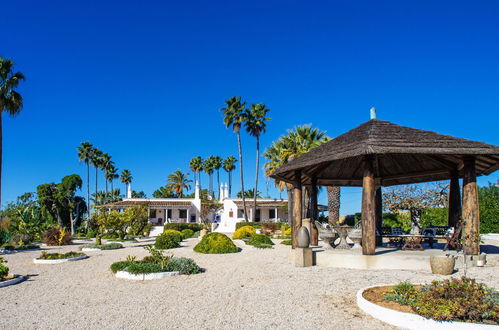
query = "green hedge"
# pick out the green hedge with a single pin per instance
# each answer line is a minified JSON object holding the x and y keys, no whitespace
{"x":181,"y":226}
{"x":258,"y":239}
{"x":258,"y":225}
{"x":187,"y":233}
{"x":166,"y":241}
{"x":216,"y":243}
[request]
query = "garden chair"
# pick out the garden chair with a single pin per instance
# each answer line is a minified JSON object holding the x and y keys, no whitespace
{"x":327,"y":234}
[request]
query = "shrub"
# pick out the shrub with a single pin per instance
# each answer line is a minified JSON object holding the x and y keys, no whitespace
{"x":258,"y":225}
{"x":404,"y":293}
{"x":109,"y":246}
{"x":56,"y":236}
{"x":174,"y":233}
{"x":216,"y":243}
{"x":119,"y":265}
{"x":187,"y":233}
{"x":185,"y":266}
{"x":257,"y":239}
{"x":244,"y":232}
{"x":144,"y":268}
{"x":263,"y":246}
{"x":181,"y":226}
{"x":55,"y":256}
{"x":286,"y":242}
{"x":165,"y":242}
{"x":4,"y":270}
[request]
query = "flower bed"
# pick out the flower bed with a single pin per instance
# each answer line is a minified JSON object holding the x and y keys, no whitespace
{"x":57,"y":258}
{"x":448,"y":304}
{"x":100,"y":247}
{"x":154,"y":266}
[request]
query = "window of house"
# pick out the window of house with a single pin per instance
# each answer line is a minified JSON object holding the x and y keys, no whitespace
{"x":193,"y":218}
{"x":169,"y":214}
{"x":257,"y":216}
{"x":272,"y":214}
{"x":240,"y":213}
{"x":182,"y":214}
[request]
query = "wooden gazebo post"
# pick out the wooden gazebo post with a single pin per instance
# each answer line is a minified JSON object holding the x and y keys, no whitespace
{"x":368,"y":208}
{"x":314,"y":235}
{"x":379,"y":215}
{"x":454,"y":199}
{"x":297,"y":208}
{"x":471,"y":213}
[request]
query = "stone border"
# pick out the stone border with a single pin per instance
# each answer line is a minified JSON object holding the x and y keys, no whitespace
{"x":57,"y":261}
{"x":144,"y":277}
{"x":86,"y":249}
{"x":13,"y":281}
{"x":409,"y":320}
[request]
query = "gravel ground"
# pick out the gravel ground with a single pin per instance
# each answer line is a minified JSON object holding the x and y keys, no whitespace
{"x":253,"y":289}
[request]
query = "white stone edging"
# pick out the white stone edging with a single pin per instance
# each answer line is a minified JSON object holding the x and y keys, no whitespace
{"x":409,"y":320}
{"x":87,"y":249}
{"x":13,"y":281}
{"x":57,"y":261}
{"x":144,"y":277}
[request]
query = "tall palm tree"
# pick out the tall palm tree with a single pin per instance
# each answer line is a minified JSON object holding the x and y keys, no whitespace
{"x":256,"y":124}
{"x":111,"y":173}
{"x":85,"y":150}
{"x":196,"y":166}
{"x":96,"y":161}
{"x":10,"y":100}
{"x":217,"y":164}
{"x":208,"y":167}
{"x":105,"y":165}
{"x":178,"y":181}
{"x":229,"y":166}
{"x":126,"y":178}
{"x":233,"y":114}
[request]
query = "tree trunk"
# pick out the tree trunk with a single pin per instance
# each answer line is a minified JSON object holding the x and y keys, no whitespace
{"x":368,"y":206}
{"x":290,"y":204}
{"x":454,"y":200}
{"x":416,"y":221}
{"x":333,"y":204}
{"x":96,"y":185}
{"x":255,"y":190}
{"x":211,"y":185}
{"x":297,"y":208}
{"x":314,"y":235}
{"x":1,"y":151}
{"x":240,"y":147}
{"x":230,"y":183}
{"x":71,"y":221}
{"x":88,"y":191}
{"x":470,"y":209}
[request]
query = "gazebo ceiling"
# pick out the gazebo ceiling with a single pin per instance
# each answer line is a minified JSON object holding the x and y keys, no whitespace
{"x":401,"y":155}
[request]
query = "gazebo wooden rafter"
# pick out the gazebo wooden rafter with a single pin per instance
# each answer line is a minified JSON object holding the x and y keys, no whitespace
{"x":379,"y":153}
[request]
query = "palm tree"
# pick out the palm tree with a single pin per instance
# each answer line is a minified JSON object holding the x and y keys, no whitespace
{"x":208,"y":167}
{"x":196,"y":166}
{"x":85,"y":150}
{"x":111,"y":173}
{"x":333,"y":204}
{"x":96,"y":161}
{"x":229,"y":166}
{"x":217,"y":164}
{"x":233,"y":114}
{"x":126,"y":178}
{"x":178,"y":181}
{"x":10,"y":100}
{"x":256,"y":124}
{"x":105,"y":165}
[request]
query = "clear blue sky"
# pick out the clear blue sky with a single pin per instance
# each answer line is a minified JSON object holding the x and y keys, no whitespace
{"x":143,"y":80}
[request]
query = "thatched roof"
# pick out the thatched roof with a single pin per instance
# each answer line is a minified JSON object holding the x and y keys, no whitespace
{"x":402,"y":155}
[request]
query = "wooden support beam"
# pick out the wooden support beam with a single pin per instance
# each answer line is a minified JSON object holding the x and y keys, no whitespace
{"x":368,"y":209}
{"x":297,"y":208}
{"x":454,"y":199}
{"x":379,"y":215}
{"x":314,"y":234}
{"x":471,"y":214}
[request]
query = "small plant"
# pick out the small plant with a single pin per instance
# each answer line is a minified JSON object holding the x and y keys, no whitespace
{"x":120,"y":265}
{"x":187,"y":233}
{"x":166,"y":241}
{"x":175,"y":234}
{"x":56,"y":237}
{"x":216,"y":243}
{"x":286,"y":242}
{"x":258,"y":239}
{"x":181,"y":226}
{"x":185,"y":266}
{"x":4,"y":270}
{"x":109,"y":246}
{"x":56,"y":256}
{"x":263,"y":246}
{"x":244,"y":232}
{"x":404,"y":293}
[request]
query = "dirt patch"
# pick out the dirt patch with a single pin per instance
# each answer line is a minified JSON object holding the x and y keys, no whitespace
{"x":375,"y":295}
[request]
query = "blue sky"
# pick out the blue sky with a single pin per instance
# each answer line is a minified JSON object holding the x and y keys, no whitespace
{"x":144,"y":80}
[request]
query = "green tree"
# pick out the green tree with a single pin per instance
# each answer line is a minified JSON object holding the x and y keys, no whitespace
{"x":10,"y":100}
{"x":138,"y":194}
{"x":233,"y":114}
{"x":256,"y":124}
{"x":66,"y":193}
{"x":196,"y":166}
{"x":208,"y":167}
{"x":85,"y":150}
{"x":96,"y":161}
{"x":250,"y":194}
{"x":488,"y":199}
{"x":229,"y":166}
{"x":126,"y":178}
{"x":217,"y":164}
{"x":106,"y":163}
{"x":178,"y":182}
{"x":163,"y":192}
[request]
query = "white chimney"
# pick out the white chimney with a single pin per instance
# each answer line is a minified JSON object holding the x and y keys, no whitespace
{"x":227,"y":191}
{"x":129,"y":191}
{"x":222,"y":192}
{"x":196,"y":191}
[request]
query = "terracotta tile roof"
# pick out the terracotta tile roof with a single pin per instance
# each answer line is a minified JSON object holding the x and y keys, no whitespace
{"x":147,"y":202}
{"x":277,"y":203}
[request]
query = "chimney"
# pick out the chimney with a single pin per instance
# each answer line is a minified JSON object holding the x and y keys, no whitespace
{"x":129,"y":191}
{"x":222,"y":192}
{"x":373,"y":113}
{"x":196,"y":190}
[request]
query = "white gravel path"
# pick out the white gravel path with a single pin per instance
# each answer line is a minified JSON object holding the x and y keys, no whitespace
{"x":253,"y":289}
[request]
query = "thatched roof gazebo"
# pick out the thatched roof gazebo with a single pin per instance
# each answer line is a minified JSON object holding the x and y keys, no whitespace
{"x":379,"y":153}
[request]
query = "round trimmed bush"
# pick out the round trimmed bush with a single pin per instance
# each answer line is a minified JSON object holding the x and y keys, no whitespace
{"x":187,"y":233}
{"x":244,"y":232}
{"x":258,"y":239}
{"x":175,"y":233}
{"x":216,"y":243}
{"x":166,"y":241}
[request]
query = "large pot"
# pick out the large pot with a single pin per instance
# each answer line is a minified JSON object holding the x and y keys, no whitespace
{"x":442,"y":265}
{"x":303,"y":237}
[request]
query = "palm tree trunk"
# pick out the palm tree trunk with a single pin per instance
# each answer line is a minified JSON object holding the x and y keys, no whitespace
{"x":240,"y":147}
{"x":199,"y":179}
{"x":218,"y":182}
{"x":96,"y":185}
{"x":1,"y":151}
{"x":290,"y":205}
{"x":211,"y":185}
{"x":230,"y":183}
{"x":333,"y":204}
{"x":88,"y":191}
{"x":255,"y":190}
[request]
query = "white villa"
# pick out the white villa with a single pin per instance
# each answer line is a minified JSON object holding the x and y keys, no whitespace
{"x":169,"y":210}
